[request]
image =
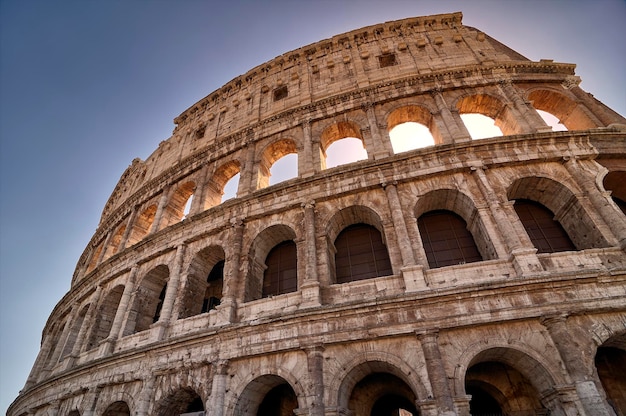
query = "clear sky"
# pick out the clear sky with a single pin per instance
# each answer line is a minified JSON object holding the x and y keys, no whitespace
{"x":86,"y":86}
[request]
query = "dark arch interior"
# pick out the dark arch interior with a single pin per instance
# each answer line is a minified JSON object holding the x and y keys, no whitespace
{"x":279,"y":401}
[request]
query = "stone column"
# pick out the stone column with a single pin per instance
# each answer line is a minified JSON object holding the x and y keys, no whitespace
{"x":412,"y":273}
{"x":572,"y":356}
{"x":129,"y":228}
{"x":116,"y":327}
{"x":436,"y":372}
{"x":306,"y":161}
{"x":91,"y":401}
{"x":172,"y":288}
{"x":311,"y":286}
{"x":218,"y":389}
{"x":531,"y":120}
{"x":165,"y":197}
{"x":228,"y":305}
{"x":145,"y":396}
{"x":453,"y":123}
{"x":378,"y":148}
{"x":247,"y":178}
{"x":315,"y":365}
{"x":197,"y":205}
{"x":524,"y":258}
{"x":104,"y":250}
{"x":584,"y":172}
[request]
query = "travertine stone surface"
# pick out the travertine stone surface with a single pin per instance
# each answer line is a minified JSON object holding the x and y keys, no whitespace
{"x":531,"y":329}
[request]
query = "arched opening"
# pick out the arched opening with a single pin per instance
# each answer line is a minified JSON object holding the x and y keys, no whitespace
{"x":565,"y":207}
{"x":95,"y":257}
{"x":480,"y":126}
{"x":610,"y":363}
{"x":552,"y":121}
{"x":500,"y":390}
{"x":566,"y":110}
{"x":411,"y":127}
{"x":281,"y":274}
{"x":360,"y":254}
{"x":182,"y":402}
{"x":142,"y":225}
{"x":231,"y":187}
{"x":342,"y":143}
{"x":114,"y":244}
{"x":179,"y":204}
{"x":279,"y":162}
{"x":410,"y":135}
{"x":284,"y":169}
{"x":267,"y":395}
{"x":382,"y":394}
{"x":446,"y":239}
{"x":205,"y":282}
{"x":616,"y":183}
{"x":70,"y":341}
{"x":546,"y":234}
{"x":105,"y":316}
{"x":148,"y":301}
{"x":223,"y":185}
{"x":505,"y":381}
{"x":117,"y":409}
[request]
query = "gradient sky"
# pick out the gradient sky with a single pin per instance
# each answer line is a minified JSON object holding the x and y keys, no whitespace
{"x":86,"y":86}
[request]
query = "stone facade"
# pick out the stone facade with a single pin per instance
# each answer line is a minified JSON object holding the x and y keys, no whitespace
{"x":515,"y":329}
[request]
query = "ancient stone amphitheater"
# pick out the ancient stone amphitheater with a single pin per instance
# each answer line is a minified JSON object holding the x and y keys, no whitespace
{"x":463,"y":276}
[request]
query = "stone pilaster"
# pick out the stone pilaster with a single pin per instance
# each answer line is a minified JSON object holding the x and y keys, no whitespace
{"x":310,"y":288}
{"x":436,"y":373}
{"x":315,"y":365}
{"x":453,"y":122}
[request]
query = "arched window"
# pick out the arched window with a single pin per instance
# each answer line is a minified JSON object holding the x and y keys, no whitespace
{"x":106,"y":314}
{"x":480,"y":126}
{"x":616,"y":183}
{"x":279,"y":162}
{"x":214,"y":285}
{"x":281,"y":273}
{"x":360,"y":254}
{"x":544,"y":231}
{"x":446,"y":239}
{"x":552,"y":121}
{"x":342,"y":143}
{"x":230,"y":189}
{"x":411,"y":127}
{"x":284,"y":168}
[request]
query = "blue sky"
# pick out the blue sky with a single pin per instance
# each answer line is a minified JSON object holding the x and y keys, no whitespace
{"x":86,"y":86}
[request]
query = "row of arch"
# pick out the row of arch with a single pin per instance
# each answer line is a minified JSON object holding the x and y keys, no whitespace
{"x":498,"y":380}
{"x":423,"y":124}
{"x":450,"y":231}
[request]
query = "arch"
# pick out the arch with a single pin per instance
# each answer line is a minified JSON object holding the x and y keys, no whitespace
{"x":142,"y":225}
{"x":205,"y":279}
{"x":175,"y":210}
{"x":615,"y":181}
{"x":271,"y":154}
{"x":360,"y":254}
{"x":148,"y":298}
{"x":446,"y":239}
{"x":105,"y":316}
{"x":562,"y":107}
{"x":364,"y":365}
{"x":215,"y":186}
{"x":95,"y":257}
{"x":267,"y":395}
{"x":338,"y":132}
{"x":343,"y":219}
{"x":411,"y":127}
{"x":260,"y":248}
{"x":116,"y":239}
{"x":547,"y":234}
{"x":72,"y":336}
{"x":281,"y":273}
{"x":119,"y":408}
{"x":567,"y":209}
{"x":552,"y":120}
{"x":492,"y":107}
{"x":457,"y":202}
{"x":514,"y":380}
{"x":610,"y":363}
{"x":181,"y":401}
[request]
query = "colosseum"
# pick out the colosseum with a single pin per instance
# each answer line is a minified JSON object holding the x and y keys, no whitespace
{"x":461,"y":276}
